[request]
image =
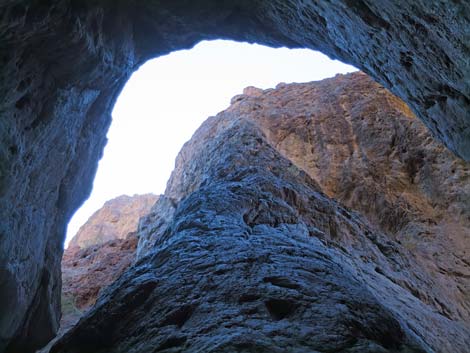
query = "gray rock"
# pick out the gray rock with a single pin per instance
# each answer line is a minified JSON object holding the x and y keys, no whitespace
{"x":255,"y":258}
{"x":63,"y":63}
{"x":366,"y":149}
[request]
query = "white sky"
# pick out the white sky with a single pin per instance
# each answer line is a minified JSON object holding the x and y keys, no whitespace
{"x":168,"y":98}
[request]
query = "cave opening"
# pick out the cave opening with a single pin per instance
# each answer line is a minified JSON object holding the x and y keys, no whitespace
{"x":159,"y":109}
{"x":167,"y":99}
{"x":63,"y":67}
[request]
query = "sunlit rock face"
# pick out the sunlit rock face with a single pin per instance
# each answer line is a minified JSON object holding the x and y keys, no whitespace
{"x":366,"y":149}
{"x":246,"y":253}
{"x":102,"y":248}
{"x":115,"y":220}
{"x":63,"y":63}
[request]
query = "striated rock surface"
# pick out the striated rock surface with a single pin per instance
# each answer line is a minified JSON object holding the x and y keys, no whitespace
{"x":63,"y":64}
{"x":115,"y":220}
{"x":367,"y":149}
{"x":246,"y":253}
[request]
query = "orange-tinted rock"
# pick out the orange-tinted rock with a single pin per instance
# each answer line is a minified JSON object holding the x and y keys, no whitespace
{"x":86,"y":271}
{"x":367,"y":149}
{"x":101,"y":250}
{"x":246,"y":253}
{"x":115,"y":220}
{"x":64,"y":63}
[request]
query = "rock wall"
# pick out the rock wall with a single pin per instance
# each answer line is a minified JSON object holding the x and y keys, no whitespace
{"x":85,"y":272}
{"x":115,"y":220}
{"x":245,"y":253}
{"x":63,"y":63}
{"x":366,"y":149}
{"x":98,"y":254}
{"x":103,"y":248}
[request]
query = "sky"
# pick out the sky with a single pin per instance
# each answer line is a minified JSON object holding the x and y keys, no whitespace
{"x":168,"y":98}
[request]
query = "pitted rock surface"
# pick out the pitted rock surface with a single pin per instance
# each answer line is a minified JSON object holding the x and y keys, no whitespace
{"x":366,"y":148}
{"x":100,"y":251}
{"x":85,"y":272}
{"x":63,"y":64}
{"x":251,"y":256}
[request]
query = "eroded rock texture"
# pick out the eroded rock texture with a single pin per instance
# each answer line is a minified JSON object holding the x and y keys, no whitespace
{"x":365,"y":148}
{"x":63,"y":63}
{"x":245,"y":253}
{"x":86,"y":271}
{"x":102,"y":248}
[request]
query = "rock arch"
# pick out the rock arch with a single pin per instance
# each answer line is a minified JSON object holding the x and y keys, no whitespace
{"x":63,"y":64}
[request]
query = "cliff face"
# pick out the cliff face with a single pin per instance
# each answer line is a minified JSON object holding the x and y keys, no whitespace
{"x":63,"y":64}
{"x":245,"y":252}
{"x":86,"y":271}
{"x":99,"y":253}
{"x":115,"y":220}
{"x":102,"y":248}
{"x":366,"y":149}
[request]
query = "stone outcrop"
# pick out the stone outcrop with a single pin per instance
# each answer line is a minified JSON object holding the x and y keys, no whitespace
{"x":85,"y":272}
{"x":63,"y":63}
{"x":115,"y":220}
{"x":366,"y":149}
{"x":246,"y":253}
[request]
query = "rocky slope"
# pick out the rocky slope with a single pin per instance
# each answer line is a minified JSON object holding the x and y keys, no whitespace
{"x":98,"y":254}
{"x":246,"y":253}
{"x":101,"y":250}
{"x":85,"y":272}
{"x":63,"y":64}
{"x":115,"y":220}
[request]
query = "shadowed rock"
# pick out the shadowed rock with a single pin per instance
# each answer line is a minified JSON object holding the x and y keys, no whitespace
{"x":251,"y":256}
{"x":63,"y":63}
{"x":99,"y":253}
{"x":367,"y":149}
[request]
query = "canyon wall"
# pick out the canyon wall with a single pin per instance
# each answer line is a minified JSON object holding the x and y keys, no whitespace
{"x":102,"y":249}
{"x":98,"y":254}
{"x":248,"y":250}
{"x":366,"y":149}
{"x":115,"y":220}
{"x":63,"y":64}
{"x":86,"y":271}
